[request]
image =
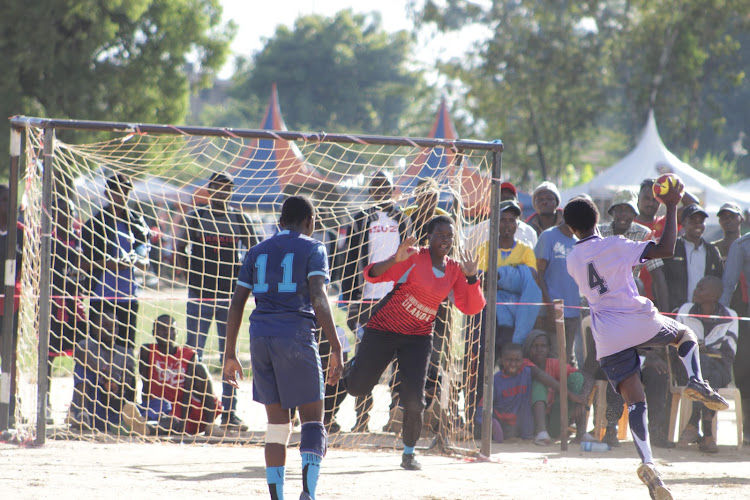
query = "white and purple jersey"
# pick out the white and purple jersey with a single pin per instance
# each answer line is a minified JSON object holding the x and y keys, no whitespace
{"x":620,"y":317}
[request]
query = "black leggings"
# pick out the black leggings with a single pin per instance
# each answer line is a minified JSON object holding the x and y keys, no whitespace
{"x":412,"y":352}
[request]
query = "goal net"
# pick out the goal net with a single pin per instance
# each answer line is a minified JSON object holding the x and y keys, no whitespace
{"x":143,"y":248}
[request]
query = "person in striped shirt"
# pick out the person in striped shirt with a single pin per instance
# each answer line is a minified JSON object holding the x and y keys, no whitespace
{"x":402,"y":322}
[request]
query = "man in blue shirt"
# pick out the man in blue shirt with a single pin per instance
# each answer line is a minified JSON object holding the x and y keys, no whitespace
{"x":287,"y":274}
{"x":551,"y":249}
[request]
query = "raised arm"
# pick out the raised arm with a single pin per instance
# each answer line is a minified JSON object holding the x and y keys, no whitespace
{"x":665,"y":247}
{"x":467,"y":290}
{"x":379,"y":269}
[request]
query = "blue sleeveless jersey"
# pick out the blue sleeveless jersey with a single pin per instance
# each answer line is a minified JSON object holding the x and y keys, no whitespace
{"x":276,"y":271}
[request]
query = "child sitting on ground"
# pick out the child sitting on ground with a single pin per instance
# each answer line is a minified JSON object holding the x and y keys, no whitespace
{"x":545,"y":404}
{"x":512,"y":415}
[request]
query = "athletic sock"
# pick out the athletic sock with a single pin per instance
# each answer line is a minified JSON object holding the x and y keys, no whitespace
{"x":275,"y":480}
{"x":688,"y":352}
{"x":408,"y":450}
{"x":312,"y":448}
{"x":639,"y":428}
{"x":310,"y":473}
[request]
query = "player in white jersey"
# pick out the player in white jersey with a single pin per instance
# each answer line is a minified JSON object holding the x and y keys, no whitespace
{"x":623,"y":321}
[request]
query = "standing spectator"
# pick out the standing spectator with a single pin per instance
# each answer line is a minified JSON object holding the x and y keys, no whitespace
{"x":738,"y":263}
{"x":287,"y":274}
{"x":693,"y":259}
{"x":374,"y":235}
{"x":402,"y":326}
{"x":717,"y":338}
{"x":730,"y":219}
{"x":114,"y":242}
{"x":551,"y":251}
{"x":546,"y":200}
{"x":480,"y":233}
{"x":517,"y":273}
{"x":624,"y":210}
{"x":216,"y":240}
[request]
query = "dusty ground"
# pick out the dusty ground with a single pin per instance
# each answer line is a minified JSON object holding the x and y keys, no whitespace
{"x":518,"y":471}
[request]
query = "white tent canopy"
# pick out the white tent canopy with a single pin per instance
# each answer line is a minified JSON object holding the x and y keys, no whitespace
{"x":650,"y":159}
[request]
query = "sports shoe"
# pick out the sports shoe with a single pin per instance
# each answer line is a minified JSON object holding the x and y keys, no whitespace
{"x":361,"y":426}
{"x":78,"y":420}
{"x":699,"y":390}
{"x":409,"y":462}
{"x":708,"y":445}
{"x":651,"y":478}
{"x":688,"y":436}
{"x":333,"y":427}
{"x":610,"y":437}
{"x":232,"y":422}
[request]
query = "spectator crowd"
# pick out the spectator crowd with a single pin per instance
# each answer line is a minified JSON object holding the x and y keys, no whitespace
{"x":703,"y":286}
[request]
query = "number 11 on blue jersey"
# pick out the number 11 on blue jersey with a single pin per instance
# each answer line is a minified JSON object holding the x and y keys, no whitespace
{"x":286,"y":285}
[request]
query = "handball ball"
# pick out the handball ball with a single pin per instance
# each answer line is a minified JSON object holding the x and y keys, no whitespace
{"x":664,"y":184}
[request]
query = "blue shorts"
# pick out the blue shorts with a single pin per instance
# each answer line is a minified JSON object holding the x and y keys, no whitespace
{"x":621,"y":365}
{"x":286,"y":370}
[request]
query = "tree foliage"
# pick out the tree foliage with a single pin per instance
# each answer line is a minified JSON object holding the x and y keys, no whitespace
{"x":118,"y":60}
{"x":555,"y":76}
{"x":338,"y":73}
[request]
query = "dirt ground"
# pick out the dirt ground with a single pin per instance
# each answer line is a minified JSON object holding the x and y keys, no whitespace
{"x":74,"y":469}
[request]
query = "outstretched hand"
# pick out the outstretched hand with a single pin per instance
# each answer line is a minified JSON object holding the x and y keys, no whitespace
{"x":674,"y":195}
{"x":232,"y":368}
{"x":406,"y":249}
{"x":469,"y":263}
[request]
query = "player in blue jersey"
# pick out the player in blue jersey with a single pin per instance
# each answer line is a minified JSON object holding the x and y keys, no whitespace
{"x":287,"y":274}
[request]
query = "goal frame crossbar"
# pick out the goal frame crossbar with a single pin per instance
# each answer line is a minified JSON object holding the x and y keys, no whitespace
{"x":20,"y":123}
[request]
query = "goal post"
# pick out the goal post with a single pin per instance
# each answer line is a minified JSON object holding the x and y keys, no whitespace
{"x":66,"y":182}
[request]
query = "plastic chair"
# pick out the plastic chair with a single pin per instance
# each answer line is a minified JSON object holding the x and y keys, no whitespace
{"x":683,"y":404}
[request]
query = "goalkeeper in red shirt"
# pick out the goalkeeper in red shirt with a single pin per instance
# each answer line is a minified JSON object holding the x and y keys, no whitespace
{"x":402,"y":322}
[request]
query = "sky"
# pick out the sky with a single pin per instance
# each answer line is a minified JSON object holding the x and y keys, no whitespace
{"x":256,"y":23}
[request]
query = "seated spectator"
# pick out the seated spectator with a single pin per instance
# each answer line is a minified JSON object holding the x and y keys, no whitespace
{"x":717,"y":336}
{"x":101,"y":375}
{"x":512,"y":415}
{"x":545,"y":404}
{"x":477,"y":235}
{"x":177,"y":390}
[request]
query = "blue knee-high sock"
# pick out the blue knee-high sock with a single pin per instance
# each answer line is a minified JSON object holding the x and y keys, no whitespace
{"x":275,"y":480}
{"x":689,"y":355}
{"x":639,"y":427}
{"x":312,"y":447}
{"x":310,"y":473}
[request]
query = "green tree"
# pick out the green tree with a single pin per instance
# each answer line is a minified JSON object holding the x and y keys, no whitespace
{"x":338,"y":73}
{"x":538,"y":83}
{"x":118,"y":60}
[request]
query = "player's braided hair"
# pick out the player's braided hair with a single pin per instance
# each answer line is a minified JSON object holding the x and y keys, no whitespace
{"x":581,"y":214}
